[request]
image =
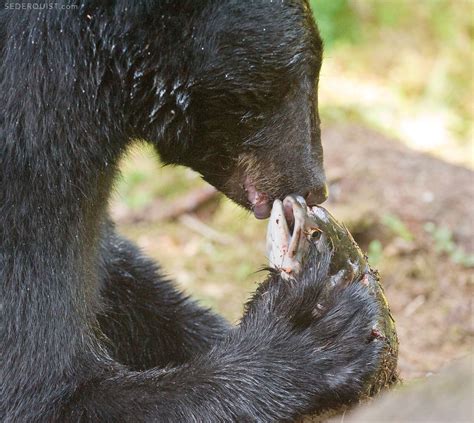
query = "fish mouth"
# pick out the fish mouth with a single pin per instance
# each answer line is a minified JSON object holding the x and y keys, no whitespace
{"x":290,"y":229}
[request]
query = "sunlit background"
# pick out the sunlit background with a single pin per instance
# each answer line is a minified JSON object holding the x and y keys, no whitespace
{"x":403,"y":67}
{"x":396,"y":101}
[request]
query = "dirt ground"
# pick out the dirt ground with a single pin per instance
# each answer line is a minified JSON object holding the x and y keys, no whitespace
{"x":430,"y":295}
{"x":414,"y":214}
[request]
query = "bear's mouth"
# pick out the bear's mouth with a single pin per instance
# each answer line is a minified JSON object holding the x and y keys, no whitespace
{"x":260,"y":202}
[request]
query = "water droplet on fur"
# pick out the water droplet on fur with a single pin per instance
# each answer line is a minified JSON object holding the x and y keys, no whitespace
{"x":138,"y":74}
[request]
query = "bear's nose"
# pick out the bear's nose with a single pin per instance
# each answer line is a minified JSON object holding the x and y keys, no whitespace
{"x":317,"y":196}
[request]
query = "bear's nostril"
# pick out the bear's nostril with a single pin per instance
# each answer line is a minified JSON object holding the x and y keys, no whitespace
{"x":318,"y":196}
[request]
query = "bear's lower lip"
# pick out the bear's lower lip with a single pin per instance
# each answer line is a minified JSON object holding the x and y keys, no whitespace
{"x":259,"y":201}
{"x":262,"y":211}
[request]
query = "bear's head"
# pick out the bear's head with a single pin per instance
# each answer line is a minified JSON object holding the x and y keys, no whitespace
{"x":229,"y":89}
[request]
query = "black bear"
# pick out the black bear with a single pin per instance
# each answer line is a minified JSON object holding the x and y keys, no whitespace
{"x":90,"y":331}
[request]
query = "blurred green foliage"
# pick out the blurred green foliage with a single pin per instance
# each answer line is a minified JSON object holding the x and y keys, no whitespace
{"x":444,"y":243}
{"x":138,"y":184}
{"x":358,"y":21}
{"x":336,"y":21}
{"x":375,"y":252}
{"x":397,"y":227}
{"x":442,"y":238}
{"x":422,"y":50}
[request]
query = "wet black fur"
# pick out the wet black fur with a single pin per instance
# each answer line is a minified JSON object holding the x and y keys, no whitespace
{"x":89,"y":329}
